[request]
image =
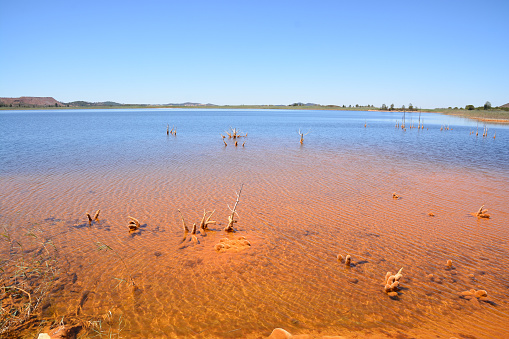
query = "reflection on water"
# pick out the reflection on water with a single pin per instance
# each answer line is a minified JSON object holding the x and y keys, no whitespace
{"x":301,"y":206}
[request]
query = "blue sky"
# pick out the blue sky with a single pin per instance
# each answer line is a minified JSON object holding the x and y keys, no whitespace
{"x":428,"y":53}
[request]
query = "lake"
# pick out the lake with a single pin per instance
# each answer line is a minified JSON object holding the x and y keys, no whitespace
{"x":301,"y":205}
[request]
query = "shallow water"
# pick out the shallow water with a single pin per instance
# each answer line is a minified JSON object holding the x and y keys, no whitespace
{"x":300,"y":206}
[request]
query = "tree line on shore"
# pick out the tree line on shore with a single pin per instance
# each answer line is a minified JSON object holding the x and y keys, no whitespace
{"x":22,"y":103}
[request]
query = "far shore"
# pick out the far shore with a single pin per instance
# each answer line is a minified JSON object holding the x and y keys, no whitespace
{"x":489,"y":116}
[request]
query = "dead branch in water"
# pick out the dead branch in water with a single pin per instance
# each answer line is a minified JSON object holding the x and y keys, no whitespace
{"x":231,"y":218}
{"x":184,"y":226}
{"x":234,"y":133}
{"x":134,"y":224}
{"x":205,"y":221}
{"x":392,"y":283}
{"x":481,"y":213}
{"x":193,"y":234}
{"x":302,"y":136}
{"x":95,"y":218}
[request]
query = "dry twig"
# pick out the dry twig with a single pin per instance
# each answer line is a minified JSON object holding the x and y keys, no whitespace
{"x":184,"y":226}
{"x":392,"y":283}
{"x":231,"y":218}
{"x":302,"y":136}
{"x":134,"y":224}
{"x":481,"y":213}
{"x":205,"y":221}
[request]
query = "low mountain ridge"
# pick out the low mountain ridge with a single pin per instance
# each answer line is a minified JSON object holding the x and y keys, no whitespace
{"x":30,"y":102}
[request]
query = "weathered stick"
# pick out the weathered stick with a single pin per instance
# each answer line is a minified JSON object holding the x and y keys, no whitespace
{"x":231,"y":218}
{"x":348,"y":260}
{"x":183,"y":223}
{"x":89,"y":218}
{"x":96,"y":216}
{"x":481,"y":213}
{"x":206,"y":221}
{"x":193,"y":235}
{"x":134,"y":224}
{"x":302,"y":136}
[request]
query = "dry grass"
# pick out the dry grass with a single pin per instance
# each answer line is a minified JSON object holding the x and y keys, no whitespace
{"x":29,"y":271}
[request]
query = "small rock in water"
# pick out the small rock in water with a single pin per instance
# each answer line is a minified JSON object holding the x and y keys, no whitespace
{"x":481,"y":293}
{"x":280,"y":333}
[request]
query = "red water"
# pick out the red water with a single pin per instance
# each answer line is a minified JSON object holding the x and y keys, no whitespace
{"x":298,"y":211}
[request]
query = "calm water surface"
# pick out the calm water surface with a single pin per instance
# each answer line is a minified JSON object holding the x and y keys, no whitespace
{"x":300,"y":207}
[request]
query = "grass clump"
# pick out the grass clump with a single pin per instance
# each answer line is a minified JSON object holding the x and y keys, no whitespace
{"x":28,"y":272}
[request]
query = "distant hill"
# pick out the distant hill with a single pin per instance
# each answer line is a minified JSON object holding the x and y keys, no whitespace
{"x":505,"y":106}
{"x":190,"y":104}
{"x":30,"y":102}
{"x":91,"y":104}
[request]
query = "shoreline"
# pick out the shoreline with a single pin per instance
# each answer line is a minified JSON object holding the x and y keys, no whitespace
{"x":490,"y":116}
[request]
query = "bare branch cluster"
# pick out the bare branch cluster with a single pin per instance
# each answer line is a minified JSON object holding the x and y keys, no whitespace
{"x":95,"y":218}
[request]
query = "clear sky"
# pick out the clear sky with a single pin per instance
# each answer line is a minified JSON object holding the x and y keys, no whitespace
{"x":428,"y":53}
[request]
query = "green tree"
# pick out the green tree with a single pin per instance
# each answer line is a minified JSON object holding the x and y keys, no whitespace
{"x":470,"y":107}
{"x":384,"y":107}
{"x":487,"y":105}
{"x":410,"y":107}
{"x":392,"y":107}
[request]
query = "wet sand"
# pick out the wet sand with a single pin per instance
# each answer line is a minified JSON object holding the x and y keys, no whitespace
{"x":298,"y":210}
